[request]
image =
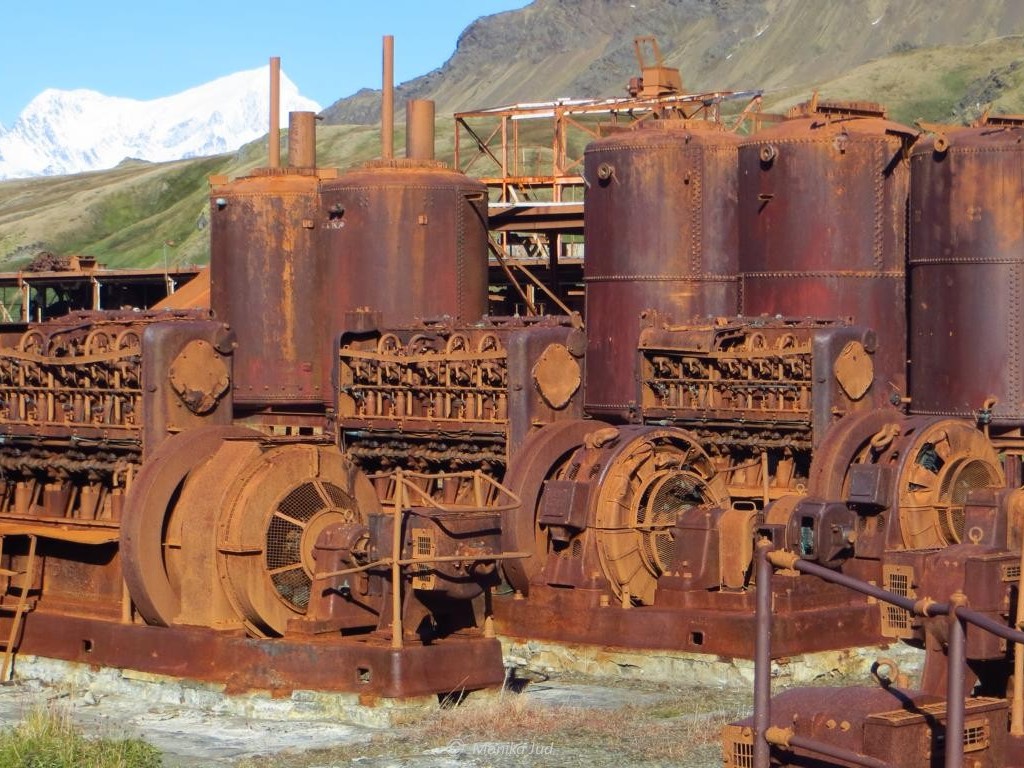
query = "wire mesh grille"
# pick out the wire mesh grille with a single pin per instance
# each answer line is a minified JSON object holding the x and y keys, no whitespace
{"x":956,"y":484}
{"x":284,"y":539}
{"x":676,"y":493}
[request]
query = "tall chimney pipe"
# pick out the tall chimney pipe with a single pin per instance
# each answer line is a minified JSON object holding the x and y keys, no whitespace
{"x":274,"y":136}
{"x":387,"y":105}
{"x":419,"y":129}
{"x":302,"y":139}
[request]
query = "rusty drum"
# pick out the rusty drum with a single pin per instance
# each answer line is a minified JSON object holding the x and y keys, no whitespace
{"x":822,"y":206}
{"x":967,"y":274}
{"x":267,"y":282}
{"x":660,"y":234}
{"x":408,"y":239}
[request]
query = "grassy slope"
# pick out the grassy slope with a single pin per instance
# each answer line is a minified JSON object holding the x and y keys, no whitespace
{"x":125,"y":215}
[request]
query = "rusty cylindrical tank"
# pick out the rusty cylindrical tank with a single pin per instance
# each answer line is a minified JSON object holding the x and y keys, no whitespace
{"x":660,"y":233}
{"x":822,"y":206}
{"x":967,"y":274}
{"x":408,"y":239}
{"x":267,"y":278}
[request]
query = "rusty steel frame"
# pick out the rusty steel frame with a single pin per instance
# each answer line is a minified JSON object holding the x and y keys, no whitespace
{"x":569,"y":118}
{"x":545,"y":205}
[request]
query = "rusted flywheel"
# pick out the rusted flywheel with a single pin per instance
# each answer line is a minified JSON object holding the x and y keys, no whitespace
{"x":147,"y":513}
{"x":269,"y":505}
{"x":936,"y":462}
{"x":541,"y":458}
{"x":220,"y":527}
{"x":648,"y":477}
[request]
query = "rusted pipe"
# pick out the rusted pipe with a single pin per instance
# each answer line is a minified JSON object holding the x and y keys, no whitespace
{"x":302,"y":139}
{"x":917,"y":607}
{"x":396,"y":568}
{"x":784,"y":737}
{"x":387,"y":102}
{"x":762,"y":655}
{"x":956,"y":660}
{"x":274,"y":136}
{"x":419,"y":129}
{"x":1017,"y":704}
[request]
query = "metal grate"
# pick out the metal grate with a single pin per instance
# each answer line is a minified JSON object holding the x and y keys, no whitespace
{"x":1010,"y":572}
{"x":976,"y":736}
{"x":898,"y":579}
{"x":737,"y":747}
{"x":656,"y":515}
{"x":424,"y":545}
{"x":285,"y":533}
{"x":956,"y":484}
{"x":303,"y":502}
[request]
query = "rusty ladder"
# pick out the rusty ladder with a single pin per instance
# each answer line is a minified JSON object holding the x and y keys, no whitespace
{"x":20,"y":608}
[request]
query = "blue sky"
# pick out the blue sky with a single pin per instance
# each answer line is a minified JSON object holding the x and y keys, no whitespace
{"x":147,"y":48}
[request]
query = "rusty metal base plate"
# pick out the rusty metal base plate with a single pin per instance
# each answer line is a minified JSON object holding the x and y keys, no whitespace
{"x":240,"y":663}
{"x":575,"y":616}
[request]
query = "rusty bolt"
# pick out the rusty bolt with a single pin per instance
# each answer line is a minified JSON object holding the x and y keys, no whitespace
{"x":605,"y":171}
{"x":768,"y":153}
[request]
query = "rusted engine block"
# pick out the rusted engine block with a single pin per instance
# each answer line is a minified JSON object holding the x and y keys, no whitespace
{"x":441,"y":397}
{"x":662,"y":515}
{"x":81,"y":401}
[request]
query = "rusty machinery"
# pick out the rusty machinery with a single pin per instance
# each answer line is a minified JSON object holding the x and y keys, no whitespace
{"x":933,"y":497}
{"x":176,"y":494}
{"x":324,"y":493}
{"x":644,"y":521}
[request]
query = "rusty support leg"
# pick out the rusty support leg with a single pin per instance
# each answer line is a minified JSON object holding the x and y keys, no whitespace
{"x":955,"y":685}
{"x":556,"y":287}
{"x":763,"y":656}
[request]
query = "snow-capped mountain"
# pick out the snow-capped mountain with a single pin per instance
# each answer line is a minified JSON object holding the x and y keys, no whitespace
{"x":73,"y":131}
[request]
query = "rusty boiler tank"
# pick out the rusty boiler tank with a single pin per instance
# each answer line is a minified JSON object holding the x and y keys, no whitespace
{"x":408,"y":236}
{"x":268,"y":276}
{"x":822,"y":206}
{"x":660,"y":234}
{"x":967,"y":274}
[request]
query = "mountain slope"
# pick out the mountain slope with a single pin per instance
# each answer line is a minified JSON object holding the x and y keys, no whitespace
{"x":583,"y":48}
{"x":941,"y":60}
{"x":62,"y":132}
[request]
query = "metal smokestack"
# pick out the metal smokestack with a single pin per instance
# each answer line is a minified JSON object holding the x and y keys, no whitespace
{"x":274,"y":136}
{"x":419,"y":129}
{"x":302,"y":139}
{"x":387,"y":105}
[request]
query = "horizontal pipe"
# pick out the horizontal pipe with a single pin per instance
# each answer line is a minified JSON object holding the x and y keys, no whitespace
{"x":828,"y":750}
{"x":907,"y":603}
{"x":969,"y":615}
{"x":990,"y":625}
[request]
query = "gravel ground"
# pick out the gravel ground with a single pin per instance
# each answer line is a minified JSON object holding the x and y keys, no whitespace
{"x":609,"y":715}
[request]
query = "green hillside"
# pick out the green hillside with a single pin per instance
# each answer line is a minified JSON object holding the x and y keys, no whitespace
{"x":140,"y":213}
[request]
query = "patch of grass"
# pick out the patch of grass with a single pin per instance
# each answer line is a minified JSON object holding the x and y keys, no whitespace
{"x":47,"y":738}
